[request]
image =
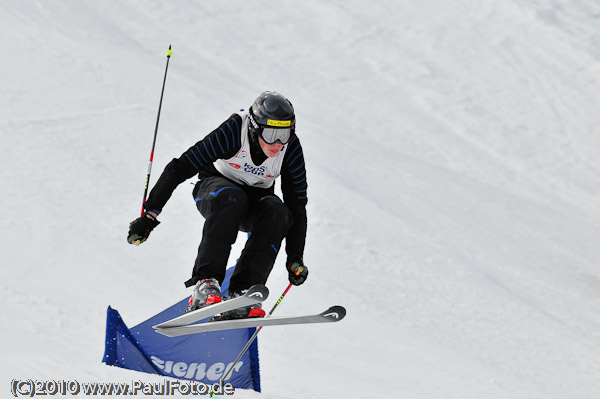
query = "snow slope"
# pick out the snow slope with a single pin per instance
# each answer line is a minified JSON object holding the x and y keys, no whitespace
{"x":454,"y":171}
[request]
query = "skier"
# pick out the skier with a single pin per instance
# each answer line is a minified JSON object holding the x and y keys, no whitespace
{"x":237,"y":165}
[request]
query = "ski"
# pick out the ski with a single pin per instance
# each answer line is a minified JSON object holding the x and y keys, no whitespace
{"x":256,"y":294}
{"x":333,"y":314}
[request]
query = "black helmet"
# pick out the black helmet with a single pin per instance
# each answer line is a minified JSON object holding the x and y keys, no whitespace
{"x":273,"y":109}
{"x":272,"y":117}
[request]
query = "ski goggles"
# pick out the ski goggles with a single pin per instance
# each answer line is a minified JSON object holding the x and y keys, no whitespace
{"x":271,"y":135}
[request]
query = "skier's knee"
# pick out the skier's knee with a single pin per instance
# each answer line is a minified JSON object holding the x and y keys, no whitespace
{"x":281,"y":216}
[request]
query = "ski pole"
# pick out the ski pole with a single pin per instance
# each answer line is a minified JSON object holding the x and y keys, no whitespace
{"x":253,"y":337}
{"x":169,"y":54}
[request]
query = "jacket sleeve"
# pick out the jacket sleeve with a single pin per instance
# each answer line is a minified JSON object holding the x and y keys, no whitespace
{"x":294,"y":188}
{"x":221,"y":143}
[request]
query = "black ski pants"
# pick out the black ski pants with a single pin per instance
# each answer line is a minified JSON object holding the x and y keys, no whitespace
{"x":228,"y":208}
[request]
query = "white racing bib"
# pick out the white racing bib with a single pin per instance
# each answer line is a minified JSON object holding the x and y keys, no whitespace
{"x":241,"y":169}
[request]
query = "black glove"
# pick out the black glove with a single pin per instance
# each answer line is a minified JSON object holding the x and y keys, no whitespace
{"x":140,"y":228}
{"x":297,"y":272}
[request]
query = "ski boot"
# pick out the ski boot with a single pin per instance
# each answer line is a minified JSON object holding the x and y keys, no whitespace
{"x":206,"y":292}
{"x":244,"y":312}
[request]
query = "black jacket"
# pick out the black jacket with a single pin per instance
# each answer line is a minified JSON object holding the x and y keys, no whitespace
{"x":223,"y":143}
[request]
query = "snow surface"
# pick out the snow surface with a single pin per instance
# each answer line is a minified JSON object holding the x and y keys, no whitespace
{"x":453,"y":159}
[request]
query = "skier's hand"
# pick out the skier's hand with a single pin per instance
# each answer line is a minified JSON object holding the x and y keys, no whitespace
{"x":140,"y":228}
{"x":297,"y":272}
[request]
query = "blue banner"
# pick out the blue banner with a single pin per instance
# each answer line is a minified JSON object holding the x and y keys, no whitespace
{"x":199,"y":357}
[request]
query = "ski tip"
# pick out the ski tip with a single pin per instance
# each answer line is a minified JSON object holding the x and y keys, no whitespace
{"x":163,"y":331}
{"x":161,"y":325}
{"x":335,"y":313}
{"x":258,"y":291}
